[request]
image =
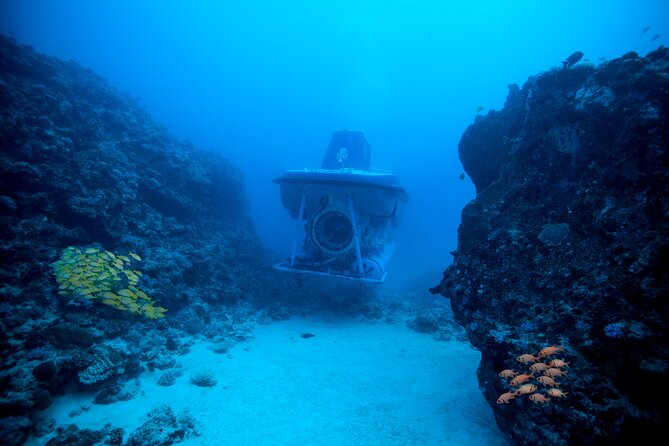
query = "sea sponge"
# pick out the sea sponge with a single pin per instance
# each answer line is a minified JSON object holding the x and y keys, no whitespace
{"x":98,"y":274}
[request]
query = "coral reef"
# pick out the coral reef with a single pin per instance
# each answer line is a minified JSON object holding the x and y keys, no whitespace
{"x":167,"y":379}
{"x":163,"y":428}
{"x":116,"y":436}
{"x":14,"y":430}
{"x":104,"y":364}
{"x":566,"y":241}
{"x":83,"y":166}
{"x":203,"y":379}
{"x":114,"y":391}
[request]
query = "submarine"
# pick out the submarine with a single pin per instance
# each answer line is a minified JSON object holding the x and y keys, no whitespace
{"x":345,"y":211}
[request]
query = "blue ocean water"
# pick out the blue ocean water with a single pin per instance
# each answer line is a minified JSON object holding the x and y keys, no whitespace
{"x":265,"y":84}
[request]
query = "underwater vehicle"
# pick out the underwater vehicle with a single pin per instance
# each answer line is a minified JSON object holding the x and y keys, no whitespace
{"x":346,"y":212}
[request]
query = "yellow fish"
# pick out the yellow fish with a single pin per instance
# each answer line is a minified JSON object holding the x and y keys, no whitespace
{"x":126,"y":292}
{"x":142,"y":295}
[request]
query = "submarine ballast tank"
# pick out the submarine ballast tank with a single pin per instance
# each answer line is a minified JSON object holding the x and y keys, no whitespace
{"x":346,"y":212}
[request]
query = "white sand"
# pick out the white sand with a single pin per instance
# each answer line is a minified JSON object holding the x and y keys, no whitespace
{"x":351,"y":384}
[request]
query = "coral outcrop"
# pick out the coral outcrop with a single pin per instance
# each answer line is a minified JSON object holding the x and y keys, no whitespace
{"x":163,"y":427}
{"x":83,"y":165}
{"x":567,"y":243}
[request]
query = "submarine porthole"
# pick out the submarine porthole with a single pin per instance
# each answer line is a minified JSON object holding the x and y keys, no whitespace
{"x":332,"y":232}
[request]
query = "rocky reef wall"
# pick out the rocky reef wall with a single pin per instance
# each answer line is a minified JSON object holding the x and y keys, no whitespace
{"x":82,"y":164}
{"x":567,"y":242}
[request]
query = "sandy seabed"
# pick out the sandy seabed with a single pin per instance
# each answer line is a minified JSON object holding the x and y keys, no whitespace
{"x":352,"y":383}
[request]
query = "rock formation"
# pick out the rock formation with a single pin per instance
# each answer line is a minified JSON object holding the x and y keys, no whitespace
{"x":82,"y":164}
{"x":567,"y":242}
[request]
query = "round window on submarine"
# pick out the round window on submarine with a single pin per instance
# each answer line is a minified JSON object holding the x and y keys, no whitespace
{"x":332,"y":232}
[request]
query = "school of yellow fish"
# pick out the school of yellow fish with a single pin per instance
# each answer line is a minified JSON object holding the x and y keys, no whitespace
{"x":98,"y":274}
{"x":547,"y":369}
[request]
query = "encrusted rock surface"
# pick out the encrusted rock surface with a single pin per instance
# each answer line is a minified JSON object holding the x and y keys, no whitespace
{"x":83,"y":164}
{"x":567,"y":242}
{"x":163,"y":427}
